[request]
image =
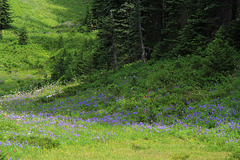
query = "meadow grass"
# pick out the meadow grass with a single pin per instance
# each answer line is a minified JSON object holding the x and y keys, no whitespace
{"x":124,"y":115}
{"x":89,"y":126}
{"x":99,"y":141}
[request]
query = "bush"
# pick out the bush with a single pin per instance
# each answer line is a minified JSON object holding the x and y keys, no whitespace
{"x":3,"y":155}
{"x":38,"y":141}
{"x":67,"y":65}
{"x":60,"y":66}
{"x":10,"y":85}
{"x":235,"y":154}
{"x":161,"y":51}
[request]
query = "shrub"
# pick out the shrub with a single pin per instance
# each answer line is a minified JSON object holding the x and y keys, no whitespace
{"x":38,"y":141}
{"x":235,"y":154}
{"x":60,"y":65}
{"x":3,"y":155}
{"x":161,"y":50}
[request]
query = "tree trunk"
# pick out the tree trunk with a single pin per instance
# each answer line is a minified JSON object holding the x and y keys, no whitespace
{"x":183,"y":18}
{"x":159,"y":20}
{"x":114,"y":44}
{"x":225,"y":12}
{"x":163,"y":15}
{"x":141,"y":34}
{"x":235,"y":4}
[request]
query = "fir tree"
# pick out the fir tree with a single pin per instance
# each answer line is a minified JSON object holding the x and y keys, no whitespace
{"x":23,"y":36}
{"x":5,"y":16}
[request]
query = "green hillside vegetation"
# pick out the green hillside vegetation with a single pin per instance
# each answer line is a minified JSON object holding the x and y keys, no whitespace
{"x":50,"y":26}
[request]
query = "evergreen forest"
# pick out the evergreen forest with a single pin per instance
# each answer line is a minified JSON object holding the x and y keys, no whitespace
{"x":119,"y":79}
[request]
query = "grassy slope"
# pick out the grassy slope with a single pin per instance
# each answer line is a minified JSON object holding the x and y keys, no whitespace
{"x":112,"y":139}
{"x":31,"y":61}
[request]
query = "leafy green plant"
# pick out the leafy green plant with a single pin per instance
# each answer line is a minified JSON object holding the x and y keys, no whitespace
{"x":3,"y":155}
{"x":235,"y":154}
{"x":37,"y":141}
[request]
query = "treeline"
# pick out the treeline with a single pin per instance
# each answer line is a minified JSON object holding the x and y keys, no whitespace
{"x":142,"y":30}
{"x":132,"y":30}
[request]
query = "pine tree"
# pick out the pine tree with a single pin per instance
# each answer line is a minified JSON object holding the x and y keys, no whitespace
{"x":219,"y":57}
{"x":144,"y":54}
{"x":152,"y":22}
{"x":5,"y":16}
{"x":127,"y":33}
{"x":174,"y":19}
{"x":23,"y":36}
{"x":104,"y":12}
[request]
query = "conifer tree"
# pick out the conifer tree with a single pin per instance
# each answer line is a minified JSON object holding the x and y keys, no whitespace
{"x":144,"y":54}
{"x":23,"y":36}
{"x":173,"y":20}
{"x":165,"y":27}
{"x":127,"y":33}
{"x":5,"y":16}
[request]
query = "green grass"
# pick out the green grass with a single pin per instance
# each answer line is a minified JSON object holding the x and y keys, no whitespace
{"x":124,"y":143}
{"x":32,"y":61}
{"x":114,"y":140}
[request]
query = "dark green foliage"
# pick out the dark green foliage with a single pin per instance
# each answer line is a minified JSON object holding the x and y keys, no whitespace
{"x":126,"y":34}
{"x":118,"y":23}
{"x":219,"y":58}
{"x":88,"y":21}
{"x":174,"y":20}
{"x":36,"y":141}
{"x":200,"y":27}
{"x":3,"y":155}
{"x":170,"y":28}
{"x":233,"y":34}
{"x":103,"y":57}
{"x":161,"y":50}
{"x":23,"y":36}
{"x":5,"y":16}
{"x":235,"y":155}
{"x":67,"y":65}
{"x":188,"y":42}
{"x":60,"y":66}
{"x":60,"y":42}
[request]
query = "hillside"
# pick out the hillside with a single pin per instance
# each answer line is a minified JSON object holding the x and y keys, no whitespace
{"x":154,"y":111}
{"x":46,"y":23}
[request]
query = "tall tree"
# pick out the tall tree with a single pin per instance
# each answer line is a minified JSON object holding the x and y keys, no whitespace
{"x":173,"y":19}
{"x":140,"y":32}
{"x":103,"y":20}
{"x":165,"y":27}
{"x":5,"y":16}
{"x":113,"y":47}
